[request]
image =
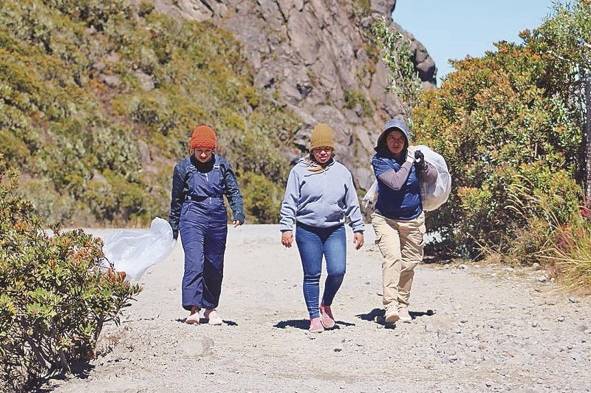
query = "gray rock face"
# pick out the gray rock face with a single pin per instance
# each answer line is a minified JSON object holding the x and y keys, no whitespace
{"x":315,"y":56}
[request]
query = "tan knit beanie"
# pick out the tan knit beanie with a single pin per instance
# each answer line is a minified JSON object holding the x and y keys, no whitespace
{"x":322,"y":135}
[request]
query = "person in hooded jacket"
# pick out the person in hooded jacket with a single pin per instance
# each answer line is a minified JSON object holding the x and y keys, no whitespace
{"x":197,"y":211}
{"x":399,"y":220}
{"x":319,"y":197}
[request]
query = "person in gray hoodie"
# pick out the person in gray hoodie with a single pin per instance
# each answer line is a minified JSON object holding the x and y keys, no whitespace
{"x":399,"y":220}
{"x":319,"y":198}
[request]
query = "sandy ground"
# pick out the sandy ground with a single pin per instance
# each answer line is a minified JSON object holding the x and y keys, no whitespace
{"x":475,"y":329}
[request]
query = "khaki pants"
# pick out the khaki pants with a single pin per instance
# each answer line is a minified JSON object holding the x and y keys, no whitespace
{"x":401,"y":244}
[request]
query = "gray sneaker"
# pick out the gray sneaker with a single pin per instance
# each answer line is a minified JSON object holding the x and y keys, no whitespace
{"x":404,"y":315}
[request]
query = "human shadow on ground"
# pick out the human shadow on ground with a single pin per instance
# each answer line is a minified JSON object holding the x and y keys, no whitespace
{"x":304,"y":324}
{"x":437,"y":259}
{"x":418,"y":314}
{"x":377,"y":315}
{"x":203,"y":321}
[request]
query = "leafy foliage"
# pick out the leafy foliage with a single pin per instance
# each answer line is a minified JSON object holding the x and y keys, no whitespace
{"x":97,"y":100}
{"x":512,"y":147}
{"x":261,"y":197}
{"x":55,"y":296}
{"x":564,"y":42}
{"x":396,"y":54}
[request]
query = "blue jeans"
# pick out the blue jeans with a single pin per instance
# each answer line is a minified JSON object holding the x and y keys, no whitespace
{"x":313,"y":243}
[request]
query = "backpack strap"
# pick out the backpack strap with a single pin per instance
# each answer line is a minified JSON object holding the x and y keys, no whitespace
{"x":222,"y":167}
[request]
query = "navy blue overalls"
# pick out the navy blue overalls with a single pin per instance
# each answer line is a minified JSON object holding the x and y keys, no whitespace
{"x":198,"y":212}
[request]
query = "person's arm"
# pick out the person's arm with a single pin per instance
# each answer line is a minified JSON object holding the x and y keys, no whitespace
{"x":289,"y":206}
{"x":177,"y":199}
{"x":392,"y":178}
{"x":353,"y":211}
{"x":233,"y":194}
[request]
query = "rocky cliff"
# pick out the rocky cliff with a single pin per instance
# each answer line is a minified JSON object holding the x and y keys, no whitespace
{"x":314,"y":57}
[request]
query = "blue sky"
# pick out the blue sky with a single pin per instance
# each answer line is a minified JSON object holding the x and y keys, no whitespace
{"x":455,"y":28}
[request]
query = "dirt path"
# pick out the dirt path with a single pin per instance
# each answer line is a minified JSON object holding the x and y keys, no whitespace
{"x":475,"y":329}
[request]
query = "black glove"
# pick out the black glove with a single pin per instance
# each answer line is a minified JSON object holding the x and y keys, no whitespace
{"x":420,"y":160}
{"x":175,"y":234}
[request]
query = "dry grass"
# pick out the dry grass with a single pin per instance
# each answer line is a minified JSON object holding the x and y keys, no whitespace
{"x":571,"y":254}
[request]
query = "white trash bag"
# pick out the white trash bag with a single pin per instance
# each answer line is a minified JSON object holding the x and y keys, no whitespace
{"x":433,"y":195}
{"x":133,"y":252}
{"x":371,"y":197}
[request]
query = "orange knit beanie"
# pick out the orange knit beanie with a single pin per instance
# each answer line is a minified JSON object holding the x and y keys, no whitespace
{"x":203,"y":137}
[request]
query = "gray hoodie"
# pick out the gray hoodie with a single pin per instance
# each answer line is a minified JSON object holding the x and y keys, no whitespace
{"x":320,"y":199}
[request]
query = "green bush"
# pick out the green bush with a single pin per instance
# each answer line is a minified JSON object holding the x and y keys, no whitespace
{"x":84,"y":84}
{"x":55,"y":295}
{"x":511,"y":148}
{"x":47,"y":202}
{"x":262,"y":198}
{"x":510,"y":125}
{"x":396,"y":54}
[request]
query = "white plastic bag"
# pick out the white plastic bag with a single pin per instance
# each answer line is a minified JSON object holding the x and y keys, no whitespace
{"x":371,"y":197}
{"x":133,"y":252}
{"x":434,"y":195}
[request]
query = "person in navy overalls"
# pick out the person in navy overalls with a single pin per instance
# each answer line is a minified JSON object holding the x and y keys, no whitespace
{"x":197,"y":211}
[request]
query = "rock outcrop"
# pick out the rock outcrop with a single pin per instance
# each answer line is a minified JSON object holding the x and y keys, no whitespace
{"x":315,"y":58}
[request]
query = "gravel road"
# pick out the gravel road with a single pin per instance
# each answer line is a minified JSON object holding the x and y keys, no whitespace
{"x":475,"y":329}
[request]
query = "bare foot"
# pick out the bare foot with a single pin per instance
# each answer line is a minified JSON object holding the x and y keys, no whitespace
{"x":326,"y":317}
{"x":316,"y":325}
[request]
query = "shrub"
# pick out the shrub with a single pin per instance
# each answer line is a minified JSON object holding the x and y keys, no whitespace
{"x":500,"y":134}
{"x":563,"y":245}
{"x":55,"y":295}
{"x":145,"y":8}
{"x":262,"y":198}
{"x":571,"y":254}
{"x":47,"y":202}
{"x":398,"y":57}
